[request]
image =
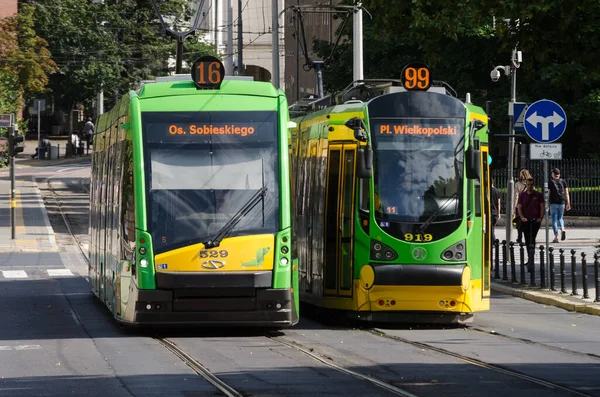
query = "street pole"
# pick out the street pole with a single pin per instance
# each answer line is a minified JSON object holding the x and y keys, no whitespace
{"x":357,"y":40}
{"x":240,"y":59}
{"x":511,"y":147}
{"x":39,"y":115}
{"x":275,"y":43}
{"x":11,"y":164}
{"x":546,"y":207}
{"x":229,"y":59}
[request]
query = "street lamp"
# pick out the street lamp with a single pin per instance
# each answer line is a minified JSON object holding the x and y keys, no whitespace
{"x":510,"y":70}
{"x":180,"y":36}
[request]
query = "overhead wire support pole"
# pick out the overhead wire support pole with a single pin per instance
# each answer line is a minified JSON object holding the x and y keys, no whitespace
{"x":275,"y":43}
{"x":240,"y":59}
{"x":357,"y":40}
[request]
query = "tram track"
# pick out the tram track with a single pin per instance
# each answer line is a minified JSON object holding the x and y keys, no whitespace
{"x":479,"y":363}
{"x":330,"y":363}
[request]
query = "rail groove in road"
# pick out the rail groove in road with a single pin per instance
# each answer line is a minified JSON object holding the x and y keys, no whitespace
{"x":479,"y":363}
{"x":377,"y":382}
{"x":199,"y":368}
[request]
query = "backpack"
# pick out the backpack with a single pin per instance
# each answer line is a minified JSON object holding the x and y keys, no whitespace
{"x":558,"y":193}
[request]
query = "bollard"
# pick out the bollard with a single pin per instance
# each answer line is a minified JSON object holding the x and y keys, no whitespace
{"x":563,"y":272}
{"x":542,"y":268}
{"x":58,"y":152}
{"x":584,"y":278}
{"x":551,"y":267}
{"x":522,"y":258}
{"x":531,"y":258}
{"x":513,"y":265}
{"x":597,"y":277}
{"x":504,"y":275}
{"x":573,"y":274}
{"x":497,"y":258}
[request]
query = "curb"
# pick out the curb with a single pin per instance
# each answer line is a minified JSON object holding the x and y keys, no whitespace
{"x":548,"y":298}
{"x":51,"y":234}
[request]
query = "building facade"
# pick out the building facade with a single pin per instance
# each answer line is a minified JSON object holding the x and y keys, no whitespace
{"x":257,"y":37}
{"x":8,"y":8}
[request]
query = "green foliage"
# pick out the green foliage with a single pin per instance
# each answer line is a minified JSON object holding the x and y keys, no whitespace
{"x":110,"y":46}
{"x":24,"y":63}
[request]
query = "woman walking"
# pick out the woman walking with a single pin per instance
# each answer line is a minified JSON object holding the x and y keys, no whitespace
{"x":520,"y":187}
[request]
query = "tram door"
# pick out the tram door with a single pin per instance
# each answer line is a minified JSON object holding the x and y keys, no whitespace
{"x":339,"y":227}
{"x":486,"y":251}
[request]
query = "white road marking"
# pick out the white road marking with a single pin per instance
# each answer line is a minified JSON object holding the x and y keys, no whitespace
{"x":59,"y":272}
{"x":14,"y":274}
{"x":20,"y":347}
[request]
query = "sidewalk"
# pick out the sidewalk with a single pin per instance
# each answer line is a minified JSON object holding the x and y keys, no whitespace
{"x":24,"y":159}
{"x":33,"y":232}
{"x":581,"y":240}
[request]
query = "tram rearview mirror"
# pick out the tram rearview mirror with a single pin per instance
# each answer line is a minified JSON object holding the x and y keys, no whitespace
{"x":473,"y":163}
{"x":358,"y":126}
{"x":364,"y":166}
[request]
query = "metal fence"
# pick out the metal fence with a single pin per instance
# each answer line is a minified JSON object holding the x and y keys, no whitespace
{"x":582,"y":176}
{"x":568,"y":271}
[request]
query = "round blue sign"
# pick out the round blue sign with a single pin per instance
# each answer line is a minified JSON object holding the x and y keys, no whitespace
{"x":545,"y":121}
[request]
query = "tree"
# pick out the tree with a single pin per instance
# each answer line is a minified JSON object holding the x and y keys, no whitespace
{"x":464,"y":40}
{"x":24,"y":60}
{"x":110,"y":46}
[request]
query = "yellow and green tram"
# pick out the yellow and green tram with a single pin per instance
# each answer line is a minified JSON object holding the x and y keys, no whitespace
{"x":190,"y":216}
{"x":392,"y":210}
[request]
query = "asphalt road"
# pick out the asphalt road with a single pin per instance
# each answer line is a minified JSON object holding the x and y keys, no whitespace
{"x":58,"y":340}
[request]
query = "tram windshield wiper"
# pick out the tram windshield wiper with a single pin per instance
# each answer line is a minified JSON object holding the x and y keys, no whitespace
{"x":435,"y":214}
{"x":236,"y":218}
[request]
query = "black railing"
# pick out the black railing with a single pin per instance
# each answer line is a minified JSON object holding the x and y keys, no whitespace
{"x":582,"y":176}
{"x":571,"y":270}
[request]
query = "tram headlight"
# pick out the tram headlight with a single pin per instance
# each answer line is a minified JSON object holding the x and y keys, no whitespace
{"x":142,"y":251}
{"x":284,"y":261}
{"x":143,"y":262}
{"x":455,"y":252}
{"x":380,"y":251}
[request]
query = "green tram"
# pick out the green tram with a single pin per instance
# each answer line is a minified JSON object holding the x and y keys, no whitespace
{"x":392,"y":217}
{"x":190,"y":215}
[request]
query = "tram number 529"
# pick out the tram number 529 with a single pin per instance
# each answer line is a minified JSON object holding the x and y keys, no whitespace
{"x":418,"y":237}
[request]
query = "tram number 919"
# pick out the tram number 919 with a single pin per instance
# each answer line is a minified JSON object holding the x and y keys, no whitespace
{"x":418,"y":237}
{"x":213,"y":254}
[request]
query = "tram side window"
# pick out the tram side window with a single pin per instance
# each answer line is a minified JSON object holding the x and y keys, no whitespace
{"x":128,"y":203}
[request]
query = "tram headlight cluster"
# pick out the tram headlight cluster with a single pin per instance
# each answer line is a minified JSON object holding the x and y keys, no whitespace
{"x":455,"y":252}
{"x":381,"y":252}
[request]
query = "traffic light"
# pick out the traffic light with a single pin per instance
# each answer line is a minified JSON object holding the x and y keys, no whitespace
{"x":13,"y":144}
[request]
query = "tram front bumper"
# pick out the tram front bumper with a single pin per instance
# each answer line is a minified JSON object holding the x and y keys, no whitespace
{"x":242,"y":299}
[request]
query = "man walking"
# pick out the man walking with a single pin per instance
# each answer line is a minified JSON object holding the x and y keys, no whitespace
{"x":558,"y":197}
{"x":88,"y":131}
{"x":531,"y":211}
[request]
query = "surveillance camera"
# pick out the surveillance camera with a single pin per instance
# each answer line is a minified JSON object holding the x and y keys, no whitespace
{"x":495,"y":75}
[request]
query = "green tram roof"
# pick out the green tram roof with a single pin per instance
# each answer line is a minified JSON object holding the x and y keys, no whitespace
{"x":228,"y":87}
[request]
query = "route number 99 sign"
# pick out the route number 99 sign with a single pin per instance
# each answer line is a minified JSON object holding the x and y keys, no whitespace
{"x":207,"y":73}
{"x":416,"y":77}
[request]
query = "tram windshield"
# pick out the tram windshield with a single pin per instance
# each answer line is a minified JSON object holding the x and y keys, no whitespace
{"x":203,"y":168}
{"x":418,"y":169}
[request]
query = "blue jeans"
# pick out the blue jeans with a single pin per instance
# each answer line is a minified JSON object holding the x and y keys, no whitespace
{"x":557,"y":211}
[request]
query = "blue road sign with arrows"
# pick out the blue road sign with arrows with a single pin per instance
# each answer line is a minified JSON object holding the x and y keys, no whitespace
{"x":545,"y":121}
